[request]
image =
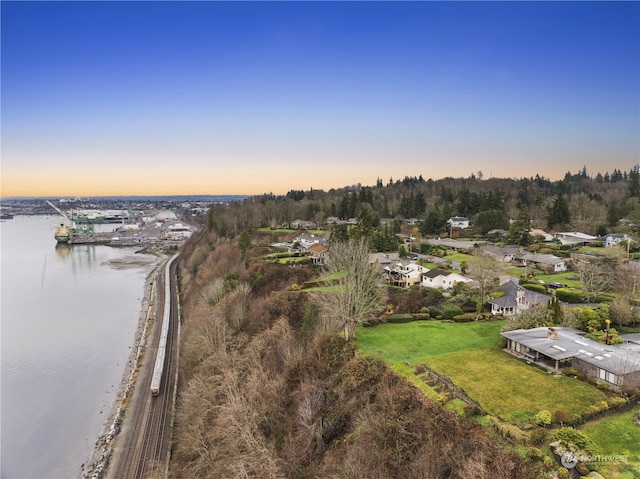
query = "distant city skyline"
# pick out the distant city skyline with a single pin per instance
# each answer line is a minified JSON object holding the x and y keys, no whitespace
{"x":180,"y":98}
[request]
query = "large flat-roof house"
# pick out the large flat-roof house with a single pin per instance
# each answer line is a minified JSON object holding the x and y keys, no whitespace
{"x":454,"y":244}
{"x":510,"y":298}
{"x":442,"y":279}
{"x":550,"y":261}
{"x":403,"y":273}
{"x":503,"y":254}
{"x":574,"y":237}
{"x":617,"y":365}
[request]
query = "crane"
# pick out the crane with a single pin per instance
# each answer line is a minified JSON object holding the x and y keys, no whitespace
{"x":64,"y":233}
{"x":58,"y":210}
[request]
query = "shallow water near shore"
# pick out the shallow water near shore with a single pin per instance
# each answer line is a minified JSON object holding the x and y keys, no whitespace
{"x":69,"y":318}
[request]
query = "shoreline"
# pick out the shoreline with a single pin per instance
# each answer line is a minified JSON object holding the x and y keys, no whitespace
{"x":98,"y":464}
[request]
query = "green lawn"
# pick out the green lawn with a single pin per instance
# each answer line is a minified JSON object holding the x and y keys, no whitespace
{"x":511,"y":389}
{"x":616,"y":435}
{"x":460,"y":257}
{"x":415,"y":341}
{"x":568,"y":278}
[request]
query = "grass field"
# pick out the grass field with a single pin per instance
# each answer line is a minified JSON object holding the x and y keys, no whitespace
{"x":460,"y":257}
{"x":617,"y":436}
{"x":567,"y":278}
{"x":397,"y":343}
{"x":513,"y":390}
{"x":467,"y":353}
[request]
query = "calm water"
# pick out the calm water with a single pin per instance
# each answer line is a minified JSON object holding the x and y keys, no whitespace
{"x":69,"y":317}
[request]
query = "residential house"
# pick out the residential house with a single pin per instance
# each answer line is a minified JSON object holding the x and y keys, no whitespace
{"x":318,"y":253}
{"x":458,"y":222}
{"x":403,"y":273}
{"x":510,"y":298}
{"x":442,"y":279}
{"x":503,"y":254}
{"x":383,"y":259}
{"x":574,"y":237}
{"x":549,"y":261}
{"x":454,"y":244}
{"x":613,"y":239}
{"x":306,"y":240}
{"x":616,"y":365}
{"x":534,"y":233}
{"x":301,"y":225}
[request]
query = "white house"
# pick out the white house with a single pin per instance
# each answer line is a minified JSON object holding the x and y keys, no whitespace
{"x":306,"y":240}
{"x":554,"y":263}
{"x":458,"y":222}
{"x":403,"y":273}
{"x":441,"y":279}
{"x":613,"y":239}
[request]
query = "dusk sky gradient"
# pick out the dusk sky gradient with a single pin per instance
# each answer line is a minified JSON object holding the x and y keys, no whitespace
{"x":159,"y":98}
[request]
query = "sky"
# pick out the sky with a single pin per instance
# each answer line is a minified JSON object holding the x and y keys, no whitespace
{"x":165,"y":98}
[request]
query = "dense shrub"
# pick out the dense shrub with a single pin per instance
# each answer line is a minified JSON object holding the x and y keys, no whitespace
{"x":569,"y":295}
{"x":616,"y":401}
{"x":537,"y":436}
{"x":414,"y":299}
{"x":538,"y":288}
{"x":449,"y":311}
{"x":571,"y":371}
{"x":543,"y":418}
{"x":568,"y":436}
{"x":399,"y":318}
{"x":465,"y":318}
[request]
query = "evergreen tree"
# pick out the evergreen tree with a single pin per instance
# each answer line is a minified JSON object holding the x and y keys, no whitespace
{"x":633,"y":182}
{"x":519,"y":230}
{"x":490,"y":220}
{"x":559,"y":213}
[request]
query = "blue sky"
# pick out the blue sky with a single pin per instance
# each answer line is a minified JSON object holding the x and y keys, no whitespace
{"x":252,"y":97}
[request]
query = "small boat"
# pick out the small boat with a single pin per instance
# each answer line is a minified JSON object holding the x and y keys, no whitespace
{"x":6,"y":216}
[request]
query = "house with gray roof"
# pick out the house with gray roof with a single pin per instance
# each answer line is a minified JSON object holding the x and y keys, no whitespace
{"x":510,"y":298}
{"x":551,"y":262}
{"x":503,"y":254}
{"x":613,"y":239}
{"x":617,"y":365}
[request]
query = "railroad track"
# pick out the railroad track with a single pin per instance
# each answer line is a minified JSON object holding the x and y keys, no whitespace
{"x":147,"y":444}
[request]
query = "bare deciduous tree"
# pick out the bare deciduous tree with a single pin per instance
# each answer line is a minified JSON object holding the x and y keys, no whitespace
{"x":596,"y":276}
{"x":357,"y":296}
{"x":484,"y":271}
